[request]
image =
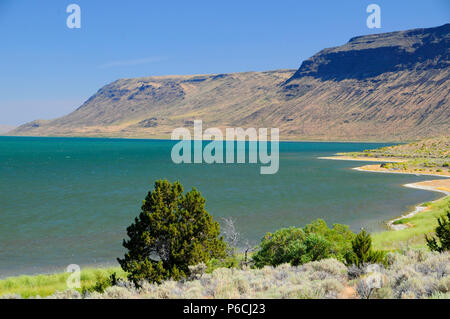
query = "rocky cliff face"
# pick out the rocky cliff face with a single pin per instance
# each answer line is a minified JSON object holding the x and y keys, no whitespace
{"x":391,"y":86}
{"x":370,"y":56}
{"x":376,"y":87}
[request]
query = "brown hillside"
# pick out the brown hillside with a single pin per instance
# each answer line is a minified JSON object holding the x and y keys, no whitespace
{"x":391,"y":86}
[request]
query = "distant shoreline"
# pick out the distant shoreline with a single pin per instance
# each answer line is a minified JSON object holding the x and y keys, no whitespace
{"x":430,"y":185}
{"x":365,"y":169}
{"x":362,"y":159}
{"x":165,"y":138}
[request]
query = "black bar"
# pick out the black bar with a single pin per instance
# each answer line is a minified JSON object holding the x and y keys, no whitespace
{"x":239,"y":308}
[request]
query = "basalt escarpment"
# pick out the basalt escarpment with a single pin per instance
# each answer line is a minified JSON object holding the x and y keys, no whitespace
{"x":389,"y":86}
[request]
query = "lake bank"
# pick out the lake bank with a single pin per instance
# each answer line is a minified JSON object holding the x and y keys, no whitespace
{"x":442,"y":186}
{"x":408,"y":230}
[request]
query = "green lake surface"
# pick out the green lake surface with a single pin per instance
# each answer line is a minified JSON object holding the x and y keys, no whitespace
{"x":69,"y":200}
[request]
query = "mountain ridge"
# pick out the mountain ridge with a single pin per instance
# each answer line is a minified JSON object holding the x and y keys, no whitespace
{"x":383,"y":87}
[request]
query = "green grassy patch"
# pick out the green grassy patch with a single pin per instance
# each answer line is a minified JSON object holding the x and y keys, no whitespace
{"x":45,"y":285}
{"x":399,"y":222}
{"x":423,"y":223}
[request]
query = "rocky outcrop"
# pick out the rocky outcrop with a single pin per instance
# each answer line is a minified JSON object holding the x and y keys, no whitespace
{"x":370,"y":56}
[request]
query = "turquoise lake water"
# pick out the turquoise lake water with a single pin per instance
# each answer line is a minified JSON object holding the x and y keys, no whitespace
{"x":69,"y":200}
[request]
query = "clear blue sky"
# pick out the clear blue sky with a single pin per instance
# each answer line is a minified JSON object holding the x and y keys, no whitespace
{"x":47,"y":69}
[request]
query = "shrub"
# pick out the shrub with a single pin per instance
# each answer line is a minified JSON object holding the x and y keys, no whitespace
{"x":315,"y":247}
{"x":362,"y":252}
{"x":226,"y":262}
{"x":196,"y":271}
{"x":440,"y":295}
{"x":231,"y":236}
{"x":339,"y":237}
{"x":330,"y":266}
{"x":172,"y":232}
{"x":113,"y":292}
{"x":442,"y":243}
{"x":280,"y":247}
{"x":102,"y":283}
{"x":301,"y":245}
{"x":67,"y":294}
{"x":364,"y":289}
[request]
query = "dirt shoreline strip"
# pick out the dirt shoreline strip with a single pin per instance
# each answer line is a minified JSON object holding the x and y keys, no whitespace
{"x":378,"y":169}
{"x":363,"y":159}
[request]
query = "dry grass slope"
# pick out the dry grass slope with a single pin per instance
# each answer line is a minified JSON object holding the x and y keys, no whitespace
{"x":428,"y":156}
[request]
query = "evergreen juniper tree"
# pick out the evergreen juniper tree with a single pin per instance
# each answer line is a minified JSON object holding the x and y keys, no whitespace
{"x":362,"y":251}
{"x":172,"y":232}
{"x":442,"y":233}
